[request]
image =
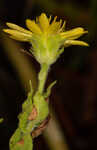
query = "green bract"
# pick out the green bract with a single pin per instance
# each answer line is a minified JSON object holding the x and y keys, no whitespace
{"x":46,"y":49}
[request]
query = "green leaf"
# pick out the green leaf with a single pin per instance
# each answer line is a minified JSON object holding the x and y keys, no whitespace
{"x":48,"y":92}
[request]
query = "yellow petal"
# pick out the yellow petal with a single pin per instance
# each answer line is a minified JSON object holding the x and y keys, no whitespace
{"x":73,"y":34}
{"x":43,"y":22}
{"x":19,"y":38}
{"x":18,"y":35}
{"x":75,"y":42}
{"x":32,"y":26}
{"x":18,"y":28}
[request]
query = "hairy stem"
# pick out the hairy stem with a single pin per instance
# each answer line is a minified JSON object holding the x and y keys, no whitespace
{"x":42,"y":77}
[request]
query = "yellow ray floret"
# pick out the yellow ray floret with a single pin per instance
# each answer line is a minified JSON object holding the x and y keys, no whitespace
{"x":43,"y":22}
{"x":18,"y":28}
{"x":75,"y":42}
{"x":15,"y":34}
{"x":32,"y":26}
{"x":44,"y":26}
{"x":74,"y":33}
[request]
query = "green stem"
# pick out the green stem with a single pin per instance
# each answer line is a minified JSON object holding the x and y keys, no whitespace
{"x":42,"y":77}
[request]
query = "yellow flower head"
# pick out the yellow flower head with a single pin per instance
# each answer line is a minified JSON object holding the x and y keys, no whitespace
{"x":46,"y":37}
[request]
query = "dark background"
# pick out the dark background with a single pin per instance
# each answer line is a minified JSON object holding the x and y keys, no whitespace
{"x":74,"y":98}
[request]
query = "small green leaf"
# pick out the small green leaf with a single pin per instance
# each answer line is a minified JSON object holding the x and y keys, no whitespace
{"x":48,"y":92}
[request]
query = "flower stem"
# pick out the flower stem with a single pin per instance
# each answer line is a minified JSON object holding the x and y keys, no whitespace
{"x":42,"y":77}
